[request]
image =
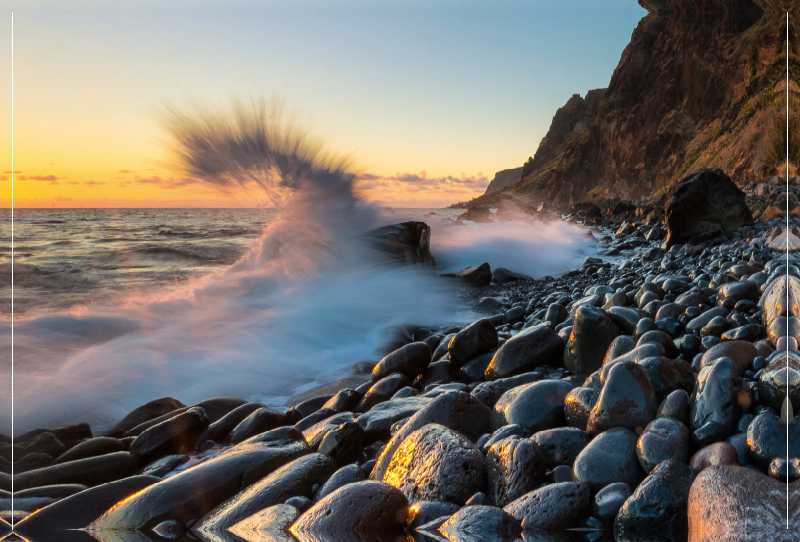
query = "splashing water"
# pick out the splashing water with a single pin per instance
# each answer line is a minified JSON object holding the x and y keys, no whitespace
{"x":305,"y":302}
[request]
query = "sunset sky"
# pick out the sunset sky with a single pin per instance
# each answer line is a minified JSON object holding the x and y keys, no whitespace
{"x":430,"y":98}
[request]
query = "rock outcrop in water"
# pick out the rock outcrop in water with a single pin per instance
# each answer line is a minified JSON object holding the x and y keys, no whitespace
{"x":701,"y":85}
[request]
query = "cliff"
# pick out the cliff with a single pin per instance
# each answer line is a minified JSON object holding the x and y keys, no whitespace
{"x":504,"y":178}
{"x":702,"y":84}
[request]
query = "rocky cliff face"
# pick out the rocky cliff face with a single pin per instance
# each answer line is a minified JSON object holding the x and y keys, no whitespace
{"x":702,"y":84}
{"x":503,"y":179}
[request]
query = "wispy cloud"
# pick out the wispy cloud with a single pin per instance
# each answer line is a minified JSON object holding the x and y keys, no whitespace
{"x":52,"y":179}
{"x":168,"y":184}
{"x":413,"y":182}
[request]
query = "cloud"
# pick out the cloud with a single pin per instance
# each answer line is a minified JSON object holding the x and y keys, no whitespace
{"x":52,"y":179}
{"x":168,"y":184}
{"x":124,"y":171}
{"x":93,"y":183}
{"x":412,"y":182}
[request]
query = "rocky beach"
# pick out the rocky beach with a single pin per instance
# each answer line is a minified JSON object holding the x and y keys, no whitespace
{"x":651,"y":398}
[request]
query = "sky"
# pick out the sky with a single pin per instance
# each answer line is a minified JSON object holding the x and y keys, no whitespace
{"x":429,"y":99}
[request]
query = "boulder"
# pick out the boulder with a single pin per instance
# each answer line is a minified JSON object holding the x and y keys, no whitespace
{"x":404,"y":243}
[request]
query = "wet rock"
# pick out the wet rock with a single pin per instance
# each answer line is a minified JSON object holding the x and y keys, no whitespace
{"x":609,"y":500}
{"x":767,"y":439}
{"x":317,"y":432}
{"x":344,"y":444}
{"x":697,"y":324}
{"x":363,"y":509}
{"x":514,"y":466}
{"x":662,"y":439}
{"x":477,"y":338}
{"x":785,"y":468}
{"x":782,"y":373}
{"x":296,"y":478}
{"x":437,"y":463}
{"x":532,"y":347}
{"x":715,"y":409}
{"x":43,"y":443}
{"x":91,"y":471}
{"x":474,"y":369}
{"x":348,"y":474}
{"x":626,"y":400}
{"x":676,"y":405}
{"x":626,"y":318}
{"x":620,"y":346}
{"x":556,"y":314}
{"x":476,"y":275}
{"x":424,"y":512}
{"x":271,"y":524}
{"x":458,"y":411}
{"x":194,"y":492}
{"x":378,"y":421}
{"x":142,"y":414}
{"x":409,"y":360}
{"x":704,"y":204}
{"x":220,"y":429}
{"x":344,"y":400}
{"x":552,"y":507}
{"x":165,"y":465}
{"x":739,"y":504}
{"x":382,"y":390}
{"x":406,"y":243}
{"x":592,"y":334}
{"x":561,"y":446}
{"x":713,"y":455}
{"x":658,"y":505}
{"x":91,"y":448}
{"x":79,"y":510}
{"x":610,"y":457}
{"x":490,"y":392}
{"x":668,"y":375}
{"x":534,"y":407}
{"x":437,"y":373}
{"x":176,"y":435}
{"x":741,"y":353}
{"x":578,"y":405}
{"x":479,"y":523}
{"x":486,"y":441}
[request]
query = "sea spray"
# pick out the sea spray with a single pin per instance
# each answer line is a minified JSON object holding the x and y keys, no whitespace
{"x":304,"y":303}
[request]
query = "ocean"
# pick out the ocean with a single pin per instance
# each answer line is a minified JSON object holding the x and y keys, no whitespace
{"x":115,"y":307}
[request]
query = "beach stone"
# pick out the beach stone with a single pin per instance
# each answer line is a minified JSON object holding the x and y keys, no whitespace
{"x":43,"y":443}
{"x":592,"y":334}
{"x":317,"y":432}
{"x":675,"y":405}
{"x":782,"y":373}
{"x":424,"y":512}
{"x":474,"y":369}
{"x":456,"y":410}
{"x":504,"y":432}
{"x":91,"y":471}
{"x":715,"y":409}
{"x":91,"y":448}
{"x":561,"y":446}
{"x":552,"y":507}
{"x":625,"y":318}
{"x":662,"y":439}
{"x":556,"y":314}
{"x":344,"y":400}
{"x":344,"y":444}
{"x":713,"y":455}
{"x":626,"y":400}
{"x":220,"y":429}
{"x":785,"y":468}
{"x":194,"y":492}
{"x":695,"y":325}
{"x":657,"y":336}
{"x":437,"y":373}
{"x":68,"y":435}
{"x":406,"y":243}
{"x":514,"y":467}
{"x":409,"y":360}
{"x":704,"y":204}
{"x":269,"y":525}
{"x":165,"y":465}
{"x":610,"y":457}
{"x":738,"y":291}
{"x":479,"y":523}
{"x":477,"y":338}
{"x":490,"y":392}
{"x":534,"y":407}
{"x":32,"y":461}
{"x":476,"y":275}
{"x":437,"y":463}
{"x":741,"y":353}
{"x":609,"y":500}
{"x":382,"y":390}
{"x":378,"y":420}
{"x":527,"y":350}
{"x":578,"y":405}
{"x":364,"y":509}
{"x":296,"y":478}
{"x":767,"y":438}
{"x":349,"y":474}
{"x":176,"y":435}
{"x":79,"y":510}
{"x":658,"y":505}
{"x":142,"y":414}
{"x":668,"y":375}
{"x":620,"y":346}
{"x":218,"y":407}
{"x":738,"y":504}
